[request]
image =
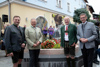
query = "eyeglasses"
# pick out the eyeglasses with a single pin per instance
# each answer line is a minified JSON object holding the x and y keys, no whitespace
{"x":17,"y":19}
{"x":82,"y":17}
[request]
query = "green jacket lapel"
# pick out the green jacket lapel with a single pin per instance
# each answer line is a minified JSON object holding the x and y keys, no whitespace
{"x":64,"y":29}
{"x":69,"y":26}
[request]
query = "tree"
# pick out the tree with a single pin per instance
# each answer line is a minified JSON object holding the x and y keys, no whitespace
{"x":77,"y":13}
{"x":94,"y":21}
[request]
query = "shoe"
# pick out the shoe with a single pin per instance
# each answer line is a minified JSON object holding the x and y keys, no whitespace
{"x":96,"y":62}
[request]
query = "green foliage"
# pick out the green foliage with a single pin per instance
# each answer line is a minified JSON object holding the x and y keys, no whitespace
{"x":53,"y":15}
{"x":99,"y":17}
{"x":56,"y":46}
{"x":77,"y":13}
{"x":94,"y":21}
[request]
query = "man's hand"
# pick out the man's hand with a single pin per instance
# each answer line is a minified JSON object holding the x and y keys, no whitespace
{"x":10,"y":54}
{"x":23,"y":45}
{"x":73,"y":44}
{"x":34,"y":45}
{"x":38,"y":43}
{"x":83,"y":40}
{"x":1,"y":40}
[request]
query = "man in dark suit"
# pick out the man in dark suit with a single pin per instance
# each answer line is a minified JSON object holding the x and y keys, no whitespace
{"x":68,"y":41}
{"x":97,"y":42}
{"x":14,"y":40}
{"x":86,"y":34}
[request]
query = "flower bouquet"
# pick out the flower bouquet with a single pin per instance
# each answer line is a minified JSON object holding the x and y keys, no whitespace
{"x":48,"y":44}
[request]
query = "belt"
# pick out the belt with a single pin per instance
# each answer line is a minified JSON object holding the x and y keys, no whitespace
{"x":66,"y":41}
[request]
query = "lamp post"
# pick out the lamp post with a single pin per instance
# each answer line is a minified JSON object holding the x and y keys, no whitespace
{"x":9,"y":10}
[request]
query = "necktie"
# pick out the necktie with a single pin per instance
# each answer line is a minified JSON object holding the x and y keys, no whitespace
{"x":83,"y":26}
{"x":83,"y":29}
{"x":66,"y":30}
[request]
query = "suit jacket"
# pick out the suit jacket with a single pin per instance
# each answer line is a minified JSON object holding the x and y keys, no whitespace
{"x":89,"y":33}
{"x":72,"y":32}
{"x":31,"y":37}
{"x":0,"y":40}
{"x":97,"y":29}
{"x":14,"y":37}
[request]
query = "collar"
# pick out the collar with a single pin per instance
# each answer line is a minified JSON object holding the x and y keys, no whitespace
{"x":16,"y":26}
{"x":85,"y":22}
{"x":33,"y":27}
{"x":67,"y":25}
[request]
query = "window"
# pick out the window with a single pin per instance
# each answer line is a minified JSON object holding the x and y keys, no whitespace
{"x":74,"y":8}
{"x":79,"y":2}
{"x":44,"y":0}
{"x":58,"y":3}
{"x":23,"y":0}
{"x":83,"y":6}
{"x":68,"y":7}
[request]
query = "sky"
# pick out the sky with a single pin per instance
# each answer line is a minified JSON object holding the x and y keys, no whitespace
{"x":95,"y":4}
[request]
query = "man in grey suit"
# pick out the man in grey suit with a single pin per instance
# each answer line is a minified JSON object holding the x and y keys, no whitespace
{"x":86,"y":34}
{"x":15,"y":42}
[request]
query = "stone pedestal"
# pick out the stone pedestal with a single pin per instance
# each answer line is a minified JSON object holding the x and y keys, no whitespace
{"x":53,"y":58}
{"x":51,"y":52}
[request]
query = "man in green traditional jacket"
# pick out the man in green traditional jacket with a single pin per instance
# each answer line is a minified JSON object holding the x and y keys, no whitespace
{"x":68,"y":41}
